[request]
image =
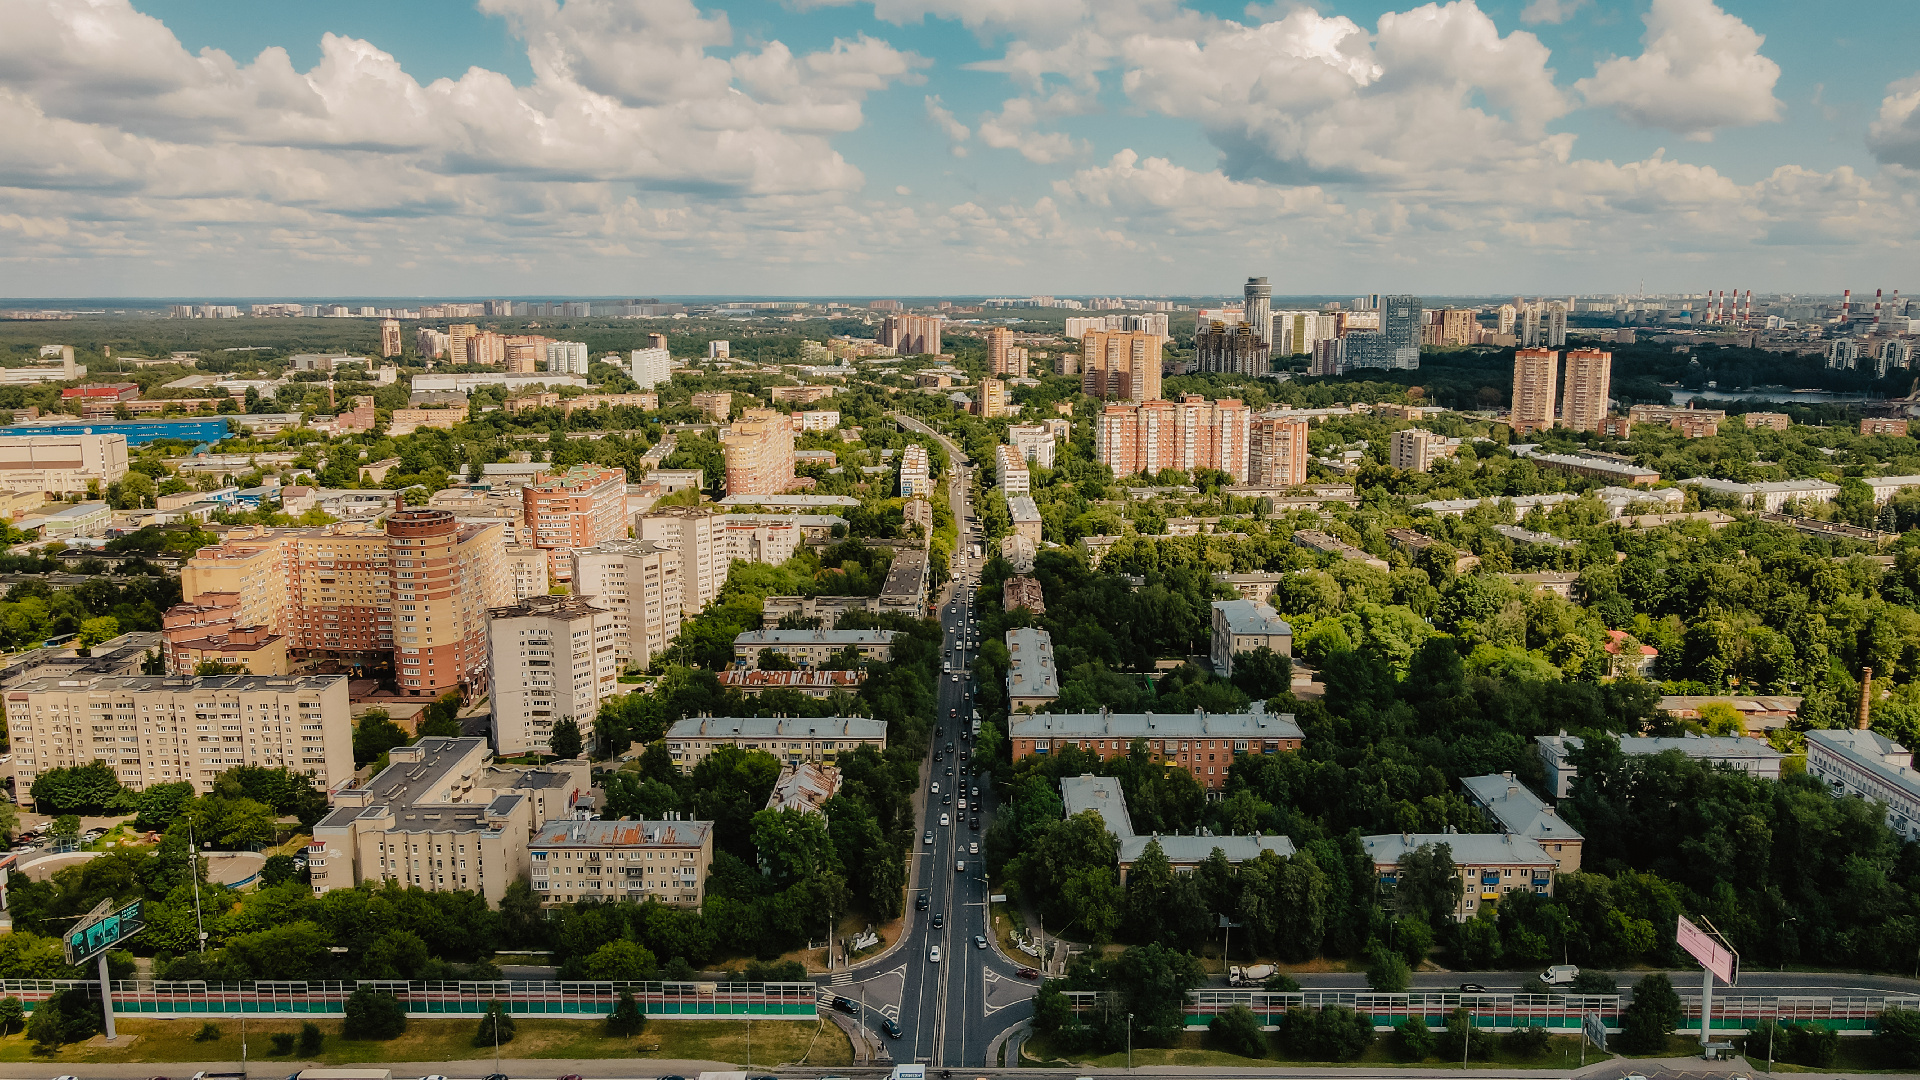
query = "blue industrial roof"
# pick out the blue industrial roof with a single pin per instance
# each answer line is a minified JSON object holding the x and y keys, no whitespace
{"x":199,"y":429}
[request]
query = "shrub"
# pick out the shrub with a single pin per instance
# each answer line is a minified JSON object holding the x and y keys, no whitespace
{"x":1460,"y":1029}
{"x":495,"y":1023}
{"x":1651,"y":1016}
{"x":1416,"y":1041}
{"x":1526,"y":1042}
{"x":208,"y":1032}
{"x":1813,"y":1045}
{"x":1897,"y":1034}
{"x":626,"y":1020}
{"x":1335,"y":1033}
{"x":374,"y":1014}
{"x":282,"y":1043}
{"x":1387,"y":971}
{"x":13,"y":1015}
{"x":1594,"y":984}
{"x":66,"y":1017}
{"x":311,"y":1039}
{"x":1237,"y":1031}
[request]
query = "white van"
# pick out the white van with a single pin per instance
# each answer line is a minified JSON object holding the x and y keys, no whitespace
{"x":1560,"y":975}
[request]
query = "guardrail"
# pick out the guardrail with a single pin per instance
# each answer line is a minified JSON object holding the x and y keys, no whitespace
{"x":139,"y":997}
{"x":1505,"y":1012}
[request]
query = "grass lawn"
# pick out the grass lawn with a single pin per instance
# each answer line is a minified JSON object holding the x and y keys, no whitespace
{"x":1194,"y":1051}
{"x":774,"y":1041}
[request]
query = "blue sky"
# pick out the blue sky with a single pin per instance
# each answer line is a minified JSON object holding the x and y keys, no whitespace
{"x":818,"y":147}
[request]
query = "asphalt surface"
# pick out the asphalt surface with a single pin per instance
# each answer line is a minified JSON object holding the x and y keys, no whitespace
{"x":1752,"y":983}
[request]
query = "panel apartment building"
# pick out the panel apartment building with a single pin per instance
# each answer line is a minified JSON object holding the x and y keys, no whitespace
{"x":61,"y":464}
{"x":1204,"y":744}
{"x":1193,"y":433}
{"x":576,"y":508}
{"x":410,"y":592}
{"x":1120,"y":365}
{"x":553,"y":658}
{"x":759,"y":448}
{"x":641,"y":583}
{"x":156,"y":729}
{"x":634,"y":861}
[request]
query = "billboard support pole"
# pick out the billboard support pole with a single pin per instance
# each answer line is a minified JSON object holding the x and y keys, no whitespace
{"x":106,"y":994}
{"x":1706,"y":1007}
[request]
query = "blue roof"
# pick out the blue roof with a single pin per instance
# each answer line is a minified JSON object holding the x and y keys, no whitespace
{"x":198,"y":430}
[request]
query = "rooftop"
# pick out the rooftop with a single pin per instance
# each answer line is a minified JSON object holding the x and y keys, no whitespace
{"x":1249,"y":617}
{"x":1023,"y":508}
{"x":1704,"y":747}
{"x":1257,"y":724}
{"x":1104,"y":796}
{"x":842,"y":638}
{"x":552,"y":607}
{"x":778,"y":727}
{"x":188,"y":683}
{"x":583,"y":834}
{"x":1517,"y":809}
{"x":1030,"y":668}
{"x":1468,"y":849}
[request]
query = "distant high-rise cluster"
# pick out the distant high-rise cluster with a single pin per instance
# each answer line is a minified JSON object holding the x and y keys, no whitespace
{"x":1537,"y":391}
{"x":912,"y":335}
{"x":1121,"y":365}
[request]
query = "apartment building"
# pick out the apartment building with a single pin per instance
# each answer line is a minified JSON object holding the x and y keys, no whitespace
{"x":193,"y":634}
{"x":1204,"y":744}
{"x":759,"y":449}
{"x":641,"y":583}
{"x":1024,"y":514}
{"x":1241,"y":626}
{"x":810,"y":647}
{"x":61,"y":464}
{"x":754,"y":539}
{"x":1509,"y":807}
{"x":819,"y":740}
{"x":698,"y":535}
{"x":1193,"y":433}
{"x":1416,"y":450}
{"x":650,"y":367}
{"x":576,"y":508}
{"x":1490,"y":865}
{"x":1120,"y":365}
{"x":1104,"y":796}
{"x":1032,"y":679}
{"x":1033,"y":442}
{"x":915,"y":480}
{"x":1277,"y":450}
{"x":715,"y":403}
{"x":525,"y":572}
{"x":993,"y":398}
{"x":409,"y":593}
{"x":1010,"y":471}
{"x":1589,"y":385}
{"x":1003,"y":356}
{"x":666,"y":861}
{"x":441,"y":818}
{"x":1870,"y":766}
{"x":552,"y":659}
{"x":1536,"y":385}
{"x":156,"y":729}
{"x":912,"y":335}
{"x":1748,"y":755}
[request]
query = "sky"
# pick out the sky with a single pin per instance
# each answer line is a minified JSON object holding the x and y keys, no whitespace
{"x":316,"y":148}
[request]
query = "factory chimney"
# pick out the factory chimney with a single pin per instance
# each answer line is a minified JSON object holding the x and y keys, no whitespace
{"x":1866,"y":695}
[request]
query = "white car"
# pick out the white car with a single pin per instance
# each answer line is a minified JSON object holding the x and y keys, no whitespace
{"x":936,"y":787}
{"x":973,"y":849}
{"x":929,"y":836}
{"x":943,"y":819}
{"x":933,"y":957}
{"x":959,"y":866}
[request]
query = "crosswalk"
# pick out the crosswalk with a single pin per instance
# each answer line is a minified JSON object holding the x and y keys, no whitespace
{"x":842,"y":978}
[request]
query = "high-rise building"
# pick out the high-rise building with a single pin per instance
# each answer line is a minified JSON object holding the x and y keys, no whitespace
{"x":552,"y":659}
{"x":1001,"y":353}
{"x":759,"y":449}
{"x":1153,"y":322}
{"x":458,"y":334}
{"x":1556,"y":325}
{"x":1233,"y":349}
{"x":1507,"y":315}
{"x":527,"y":353}
{"x":915,"y":481}
{"x":390,"y":337}
{"x":567,"y":357}
{"x":575,"y":508}
{"x":1010,"y":471}
{"x":697,"y":534}
{"x":1329,"y":357}
{"x":656,"y":341}
{"x":1458,"y":327}
{"x":639,"y":581}
{"x":719,"y":350}
{"x":1589,"y":383}
{"x":1257,"y":307}
{"x":1118,"y":365}
{"x":1276,"y":450}
{"x":993,"y":398}
{"x":1530,"y":335}
{"x":1400,"y":319}
{"x":1416,"y":450}
{"x":413,"y":596}
{"x":1033,"y":442}
{"x":1536,"y":384}
{"x":1193,"y":433}
{"x":912,"y":335}
{"x":652,"y":366}
{"x":487,"y":347}
{"x":152,"y":729}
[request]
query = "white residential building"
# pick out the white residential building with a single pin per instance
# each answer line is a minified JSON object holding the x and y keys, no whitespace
{"x":552,"y":658}
{"x":819,"y":420}
{"x":567,"y":357}
{"x":915,"y":479}
{"x":1747,"y":755}
{"x":698,"y":534}
{"x":1034,"y":443}
{"x":640,"y":582}
{"x":1010,"y":472}
{"x":651,"y":367}
{"x":1870,"y":766}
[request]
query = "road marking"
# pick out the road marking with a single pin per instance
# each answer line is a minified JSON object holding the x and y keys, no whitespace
{"x":842,"y":978}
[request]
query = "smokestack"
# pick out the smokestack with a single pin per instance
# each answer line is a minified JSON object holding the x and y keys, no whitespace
{"x":1846,"y":304}
{"x":1876,"y":310}
{"x":1866,"y":695}
{"x":1749,"y":306}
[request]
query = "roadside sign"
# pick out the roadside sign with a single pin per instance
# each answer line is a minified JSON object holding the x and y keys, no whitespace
{"x":102,"y":929}
{"x":1706,"y":948}
{"x":1596,"y":1030}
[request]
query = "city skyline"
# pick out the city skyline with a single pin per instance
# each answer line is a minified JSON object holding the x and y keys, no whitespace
{"x":508,"y":147}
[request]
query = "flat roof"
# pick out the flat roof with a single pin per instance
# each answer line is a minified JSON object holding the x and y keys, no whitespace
{"x":1256,"y":724}
{"x":1250,"y":617}
{"x":814,"y":637}
{"x":1023,"y":508}
{"x":778,"y":727}
{"x":1705,"y":747}
{"x":572,"y":834}
{"x":1100,"y":794}
{"x":1192,"y":850}
{"x":403,"y":782}
{"x":1030,"y":668}
{"x":185,"y":683}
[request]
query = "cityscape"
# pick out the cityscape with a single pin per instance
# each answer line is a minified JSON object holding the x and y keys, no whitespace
{"x":629,"y":541}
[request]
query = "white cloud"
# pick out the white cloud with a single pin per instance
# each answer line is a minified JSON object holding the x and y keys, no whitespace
{"x":1012,"y":127}
{"x":955,"y":131}
{"x":1701,"y":69}
{"x":1550,"y":11}
{"x":1185,"y":200}
{"x":1894,"y":137}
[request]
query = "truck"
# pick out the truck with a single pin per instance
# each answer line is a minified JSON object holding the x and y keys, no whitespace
{"x":908,"y":1072}
{"x":1257,"y":973}
{"x":1560,"y":975}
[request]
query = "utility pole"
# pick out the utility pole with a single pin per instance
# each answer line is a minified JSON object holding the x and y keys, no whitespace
{"x":1129,"y":1042}
{"x":193,"y":871}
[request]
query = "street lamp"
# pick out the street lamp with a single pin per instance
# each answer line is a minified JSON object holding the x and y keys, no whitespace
{"x":1129,"y":1042}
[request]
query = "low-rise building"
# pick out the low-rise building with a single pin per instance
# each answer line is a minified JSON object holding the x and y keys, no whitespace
{"x":1772,"y":421}
{"x":1026,"y":517}
{"x":1241,"y":626}
{"x":667,"y":861}
{"x":1883,"y":425}
{"x":1490,"y":865}
{"x":1023,"y":591}
{"x":812,"y":647}
{"x":1559,"y":583}
{"x":1257,"y":587}
{"x":815,"y":684}
{"x":1032,"y":679}
{"x":1104,"y":796}
{"x":1328,"y":544}
{"x":1510,"y":807}
{"x":62,"y":464}
{"x":1204,"y":744}
{"x":1748,"y":755}
{"x":1758,"y":715}
{"x":1613,"y":468}
{"x":818,"y":739}
{"x":1627,"y":657}
{"x":1868,"y":765}
{"x":805,"y":787}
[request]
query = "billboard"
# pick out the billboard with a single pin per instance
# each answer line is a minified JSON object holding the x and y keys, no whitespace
{"x":1706,"y":948}
{"x":101,"y":931}
{"x":1596,"y":1030}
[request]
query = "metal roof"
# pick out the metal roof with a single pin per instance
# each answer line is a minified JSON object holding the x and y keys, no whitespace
{"x":563,"y":834}
{"x":778,"y":727}
{"x":1030,"y":669}
{"x":1468,"y":849}
{"x":1256,"y":724}
{"x":1517,"y":809}
{"x":1249,"y":617}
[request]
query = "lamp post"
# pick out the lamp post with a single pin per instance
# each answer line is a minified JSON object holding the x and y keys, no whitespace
{"x":193,"y":871}
{"x":1129,"y":1042}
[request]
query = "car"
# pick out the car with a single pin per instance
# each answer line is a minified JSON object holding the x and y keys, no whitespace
{"x":963,"y":804}
{"x":429,"y":1076}
{"x":503,"y":1076}
{"x":949,"y":770}
{"x":936,"y":787}
{"x":570,"y":1076}
{"x":1560,"y":975}
{"x":947,"y":799}
{"x":892,"y":1029}
{"x":921,"y":901}
{"x":979,"y":941}
{"x":1027,"y":973}
{"x":936,"y":755}
{"x":959,"y":866}
{"x":933,"y":954}
{"x":976,"y":791}
{"x":939,"y":919}
{"x":1473,"y":988}
{"x":956,"y":676}
{"x":973,"y":823}
{"x":929,"y":837}
{"x":949,"y":748}
{"x":66,"y":1078}
{"x":973,"y":848}
{"x":943,"y":822}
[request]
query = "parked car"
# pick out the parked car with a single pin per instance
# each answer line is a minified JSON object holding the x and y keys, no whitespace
{"x":892,"y":1029}
{"x":1027,"y":973}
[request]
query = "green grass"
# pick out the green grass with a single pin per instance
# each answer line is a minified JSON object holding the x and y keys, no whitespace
{"x":1194,"y":1050}
{"x":774,"y":1041}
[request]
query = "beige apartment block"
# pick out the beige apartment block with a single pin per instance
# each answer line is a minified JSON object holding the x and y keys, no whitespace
{"x":640,"y":582}
{"x":61,"y":464}
{"x":1589,"y":382}
{"x":1276,"y":450}
{"x":1536,"y":384}
{"x":575,"y":508}
{"x":154,"y":729}
{"x":633,"y":861}
{"x":552,"y":659}
{"x":698,"y":535}
{"x":526,"y":571}
{"x":759,"y":449}
{"x":817,"y":739}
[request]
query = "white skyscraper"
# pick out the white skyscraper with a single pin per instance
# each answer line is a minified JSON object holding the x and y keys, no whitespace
{"x":569,"y":357}
{"x":1556,"y":325}
{"x":1259,"y":303}
{"x":651,"y":367}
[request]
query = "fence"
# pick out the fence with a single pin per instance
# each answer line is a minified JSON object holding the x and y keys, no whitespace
{"x":1505,"y":1012}
{"x":133,"y":997}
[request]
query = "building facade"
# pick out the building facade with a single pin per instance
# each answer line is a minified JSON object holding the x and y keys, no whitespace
{"x":1010,"y":471}
{"x":1490,"y":865}
{"x":1536,"y":385}
{"x":1510,"y":808}
{"x":1032,"y":679}
{"x":1204,"y":744}
{"x":915,"y":480}
{"x":759,"y":449}
{"x":1193,"y":433}
{"x":1241,"y":626}
{"x":1119,"y":365}
{"x":1276,"y":450}
{"x":579,"y":507}
{"x":819,"y":739}
{"x":62,"y":464}
{"x":698,"y":535}
{"x":634,"y":861}
{"x":811,"y":647}
{"x":1416,"y":450}
{"x":553,"y":658}
{"x":912,"y":335}
{"x":154,"y":729}
{"x":1870,"y":766}
{"x":1589,"y":386}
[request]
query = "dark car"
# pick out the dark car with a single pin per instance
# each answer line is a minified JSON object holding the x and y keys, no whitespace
{"x":973,"y":823}
{"x":920,"y":902}
{"x":939,"y":919}
{"x":1027,"y":973}
{"x":503,"y":1076}
{"x":1473,"y":988}
{"x":892,"y":1029}
{"x":949,"y":768}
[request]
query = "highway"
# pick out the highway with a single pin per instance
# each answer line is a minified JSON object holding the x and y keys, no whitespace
{"x":1761,"y":982}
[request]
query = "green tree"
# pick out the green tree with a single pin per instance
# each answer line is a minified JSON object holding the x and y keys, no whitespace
{"x":1387,"y":971}
{"x":72,"y":789}
{"x":1262,"y":673}
{"x":1651,"y":1016}
{"x":1427,"y":885}
{"x":374,"y":735}
{"x":564,"y":741}
{"x":12,"y":1015}
{"x":1237,"y":1031}
{"x":94,"y":631}
{"x":1526,"y":1043}
{"x":312,"y":1039}
{"x":374,"y":1014}
{"x":626,"y":1020}
{"x":160,"y":804}
{"x":442,"y":717}
{"x":1416,"y":1040}
{"x":622,"y":961}
{"x":1151,"y":982}
{"x":1896,"y":1033}
{"x":495,"y":1027}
